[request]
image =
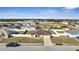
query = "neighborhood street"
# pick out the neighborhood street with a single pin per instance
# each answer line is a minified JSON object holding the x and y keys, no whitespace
{"x":40,"y":48}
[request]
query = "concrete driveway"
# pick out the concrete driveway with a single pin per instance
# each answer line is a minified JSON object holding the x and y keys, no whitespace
{"x":47,"y":41}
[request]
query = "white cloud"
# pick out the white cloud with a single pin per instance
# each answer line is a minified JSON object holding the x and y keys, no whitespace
{"x":48,"y":12}
{"x":70,"y":7}
{"x":8,"y":12}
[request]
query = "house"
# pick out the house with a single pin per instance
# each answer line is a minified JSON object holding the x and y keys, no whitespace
{"x":14,"y":28}
{"x":72,"y":33}
{"x":28,"y":28}
{"x":19,"y":28}
{"x":3,"y":33}
{"x":58,"y":32}
{"x":39,"y":33}
{"x":29,"y":22}
{"x":65,"y":22}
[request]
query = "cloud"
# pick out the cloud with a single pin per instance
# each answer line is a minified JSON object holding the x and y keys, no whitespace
{"x":70,"y":7}
{"x":69,"y":10}
{"x":7,"y":12}
{"x":48,"y":12}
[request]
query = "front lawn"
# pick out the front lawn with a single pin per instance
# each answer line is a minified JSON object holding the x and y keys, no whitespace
{"x":63,"y":40}
{"x":21,"y":40}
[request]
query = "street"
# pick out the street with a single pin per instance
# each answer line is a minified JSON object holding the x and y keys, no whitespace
{"x":40,"y":48}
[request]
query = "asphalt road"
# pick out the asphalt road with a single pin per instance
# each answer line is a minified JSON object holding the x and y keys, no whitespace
{"x":40,"y":48}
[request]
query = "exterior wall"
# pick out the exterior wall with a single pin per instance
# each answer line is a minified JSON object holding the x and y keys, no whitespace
{"x":46,"y":36}
{"x":38,"y":36}
{"x":27,"y":35}
{"x":21,"y":35}
{"x":55,"y":35}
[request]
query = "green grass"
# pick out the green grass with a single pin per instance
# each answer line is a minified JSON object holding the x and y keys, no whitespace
{"x":52,"y":32}
{"x":21,"y":40}
{"x":60,"y":31}
{"x":46,"y":25}
{"x":63,"y":40}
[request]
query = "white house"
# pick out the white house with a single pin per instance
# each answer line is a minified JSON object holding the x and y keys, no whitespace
{"x":65,"y":22}
{"x":21,"y":29}
{"x":72,"y":33}
{"x":58,"y":32}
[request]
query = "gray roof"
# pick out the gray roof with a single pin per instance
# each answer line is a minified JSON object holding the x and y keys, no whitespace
{"x":13,"y":27}
{"x":73,"y":32}
{"x":39,"y":32}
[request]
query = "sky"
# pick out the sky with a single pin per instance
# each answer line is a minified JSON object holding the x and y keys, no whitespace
{"x":40,"y":12}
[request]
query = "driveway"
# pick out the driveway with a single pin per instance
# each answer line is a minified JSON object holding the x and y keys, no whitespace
{"x":47,"y":41}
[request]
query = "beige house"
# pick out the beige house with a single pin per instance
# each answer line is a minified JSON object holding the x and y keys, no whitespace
{"x":39,"y":33}
{"x":3,"y":33}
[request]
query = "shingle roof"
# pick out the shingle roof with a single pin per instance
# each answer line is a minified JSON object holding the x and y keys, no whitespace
{"x":39,"y":32}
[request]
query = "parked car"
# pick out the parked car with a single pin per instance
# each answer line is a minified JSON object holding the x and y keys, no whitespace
{"x":12,"y":44}
{"x":77,"y":37}
{"x":77,"y":49}
{"x":59,"y":44}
